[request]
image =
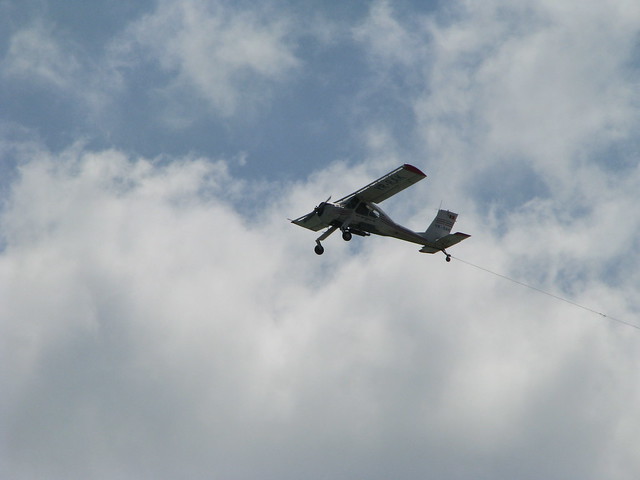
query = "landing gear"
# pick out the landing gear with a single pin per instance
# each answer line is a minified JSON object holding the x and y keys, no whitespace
{"x":319,"y":249}
{"x":346,"y":235}
{"x":448,"y":258}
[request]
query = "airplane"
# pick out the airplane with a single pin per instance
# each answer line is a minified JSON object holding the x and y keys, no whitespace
{"x":359,"y":214}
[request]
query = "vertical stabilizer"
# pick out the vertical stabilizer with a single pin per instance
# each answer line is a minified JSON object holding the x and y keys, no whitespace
{"x":441,"y":225}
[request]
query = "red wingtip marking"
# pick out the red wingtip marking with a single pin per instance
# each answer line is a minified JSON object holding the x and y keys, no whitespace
{"x":413,"y":169}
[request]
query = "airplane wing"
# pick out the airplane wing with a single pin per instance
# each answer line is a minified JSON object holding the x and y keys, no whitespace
{"x":387,"y":185}
{"x":311,"y":221}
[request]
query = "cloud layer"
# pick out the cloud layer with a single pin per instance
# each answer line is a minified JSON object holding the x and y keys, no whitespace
{"x":159,"y":317}
{"x":152,"y":330}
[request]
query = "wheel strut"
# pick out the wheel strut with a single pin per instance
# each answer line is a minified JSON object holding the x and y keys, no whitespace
{"x":319,"y":249}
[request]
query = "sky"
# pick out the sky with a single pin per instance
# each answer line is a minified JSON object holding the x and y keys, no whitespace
{"x":160,"y":318}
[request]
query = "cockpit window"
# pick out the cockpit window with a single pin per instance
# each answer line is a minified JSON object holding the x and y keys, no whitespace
{"x":366,"y":210}
{"x":352,"y":203}
{"x":362,"y":209}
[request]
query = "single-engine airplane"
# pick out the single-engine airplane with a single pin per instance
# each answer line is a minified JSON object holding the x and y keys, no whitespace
{"x":359,"y":214}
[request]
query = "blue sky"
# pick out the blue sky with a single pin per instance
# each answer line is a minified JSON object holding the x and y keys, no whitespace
{"x":311,"y":112}
{"x":159,"y":317}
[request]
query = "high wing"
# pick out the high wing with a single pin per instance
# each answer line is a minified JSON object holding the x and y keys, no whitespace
{"x":377,"y":191}
{"x":312,"y":221}
{"x":387,"y":185}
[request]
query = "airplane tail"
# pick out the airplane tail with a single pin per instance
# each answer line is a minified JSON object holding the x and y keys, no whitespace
{"x":441,"y":225}
{"x":438,"y":236}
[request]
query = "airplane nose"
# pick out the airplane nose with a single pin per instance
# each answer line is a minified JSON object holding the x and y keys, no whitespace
{"x":320,"y":208}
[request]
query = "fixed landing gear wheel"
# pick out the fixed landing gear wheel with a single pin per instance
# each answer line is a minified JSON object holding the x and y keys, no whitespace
{"x":346,"y":236}
{"x":319,"y":249}
{"x":448,"y":258}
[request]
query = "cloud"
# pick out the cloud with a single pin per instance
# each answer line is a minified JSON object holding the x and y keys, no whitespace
{"x":180,"y":60}
{"x":161,"y":318}
{"x":42,"y":59}
{"x":150,"y":329}
{"x":33,"y":54}
{"x":387,"y":38}
{"x":530,"y":85}
{"x":532,"y":113}
{"x":231,"y":58}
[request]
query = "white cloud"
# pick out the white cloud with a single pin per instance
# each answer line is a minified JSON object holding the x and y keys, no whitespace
{"x":539,"y":84}
{"x":150,"y":330}
{"x":232,"y":58}
{"x":41,"y":55}
{"x":388,"y":40}
{"x":34,"y":54}
{"x":518,"y":109}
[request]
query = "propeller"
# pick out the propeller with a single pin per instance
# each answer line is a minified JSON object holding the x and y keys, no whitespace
{"x":320,"y":208}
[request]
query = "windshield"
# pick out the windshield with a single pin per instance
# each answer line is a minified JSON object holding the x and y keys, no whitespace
{"x":365,"y":209}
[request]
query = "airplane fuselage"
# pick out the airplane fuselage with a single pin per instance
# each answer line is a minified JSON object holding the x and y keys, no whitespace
{"x":368,"y":218}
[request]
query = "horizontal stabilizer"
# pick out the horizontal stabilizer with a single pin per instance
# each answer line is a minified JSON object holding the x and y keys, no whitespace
{"x":444,"y":242}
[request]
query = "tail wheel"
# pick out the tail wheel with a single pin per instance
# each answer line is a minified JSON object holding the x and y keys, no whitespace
{"x":319,"y":249}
